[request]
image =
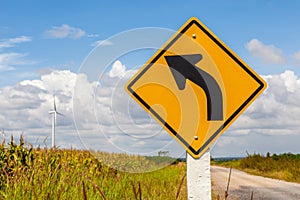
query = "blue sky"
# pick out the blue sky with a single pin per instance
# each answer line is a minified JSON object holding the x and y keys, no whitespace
{"x":235,"y":22}
{"x":43,"y":37}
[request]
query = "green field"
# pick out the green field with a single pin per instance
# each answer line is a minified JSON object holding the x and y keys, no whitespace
{"x":29,"y":173}
{"x":43,"y":173}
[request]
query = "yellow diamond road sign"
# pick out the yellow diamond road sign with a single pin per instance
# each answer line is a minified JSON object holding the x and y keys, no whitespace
{"x":195,"y":87}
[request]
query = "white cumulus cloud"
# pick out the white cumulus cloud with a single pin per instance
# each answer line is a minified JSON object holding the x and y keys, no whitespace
{"x":64,"y":31}
{"x":117,"y":70}
{"x":269,"y":54}
{"x":25,"y":106}
{"x":271,"y":123}
{"x":277,"y":108}
{"x":108,"y":119}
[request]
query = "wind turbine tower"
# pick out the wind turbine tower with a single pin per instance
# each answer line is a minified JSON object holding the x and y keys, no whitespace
{"x":54,"y":113}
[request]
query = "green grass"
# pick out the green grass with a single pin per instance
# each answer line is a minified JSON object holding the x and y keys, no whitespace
{"x":284,"y":166}
{"x":29,"y":173}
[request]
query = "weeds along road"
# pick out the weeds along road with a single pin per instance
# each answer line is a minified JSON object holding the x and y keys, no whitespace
{"x":242,"y":184}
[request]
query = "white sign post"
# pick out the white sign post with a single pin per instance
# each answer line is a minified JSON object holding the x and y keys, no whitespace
{"x":198,"y":177}
{"x":205,"y":61}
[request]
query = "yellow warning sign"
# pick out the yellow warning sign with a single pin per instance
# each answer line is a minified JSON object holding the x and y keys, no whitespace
{"x":195,"y":87}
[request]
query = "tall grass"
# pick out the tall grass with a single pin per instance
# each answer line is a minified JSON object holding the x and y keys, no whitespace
{"x":42,"y":173}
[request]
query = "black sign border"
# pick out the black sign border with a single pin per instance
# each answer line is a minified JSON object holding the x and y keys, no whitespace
{"x":232,"y":56}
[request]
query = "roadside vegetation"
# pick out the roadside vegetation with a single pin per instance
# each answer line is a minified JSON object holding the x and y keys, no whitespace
{"x":283,"y":166}
{"x":51,"y":173}
{"x":42,"y":173}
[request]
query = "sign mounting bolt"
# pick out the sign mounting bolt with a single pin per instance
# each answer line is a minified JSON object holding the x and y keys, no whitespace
{"x":196,"y":137}
{"x":194,"y":36}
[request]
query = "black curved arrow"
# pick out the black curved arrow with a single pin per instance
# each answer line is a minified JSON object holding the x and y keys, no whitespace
{"x":183,"y":67}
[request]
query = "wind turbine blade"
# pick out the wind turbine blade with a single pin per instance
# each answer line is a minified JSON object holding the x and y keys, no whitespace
{"x":60,"y":113}
{"x":54,"y":105}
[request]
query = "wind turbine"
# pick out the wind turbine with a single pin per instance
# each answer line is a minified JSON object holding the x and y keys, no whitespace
{"x":54,"y":113}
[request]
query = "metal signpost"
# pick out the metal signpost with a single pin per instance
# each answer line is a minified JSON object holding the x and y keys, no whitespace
{"x":195,"y":87}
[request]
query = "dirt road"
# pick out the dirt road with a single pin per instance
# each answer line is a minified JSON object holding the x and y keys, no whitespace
{"x":242,"y":185}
